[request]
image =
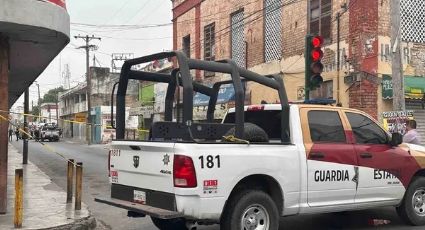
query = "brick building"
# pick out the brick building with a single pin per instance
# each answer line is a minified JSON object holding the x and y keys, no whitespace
{"x":268,"y":36}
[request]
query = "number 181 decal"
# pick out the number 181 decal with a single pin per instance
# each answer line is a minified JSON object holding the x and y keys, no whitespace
{"x":210,"y":161}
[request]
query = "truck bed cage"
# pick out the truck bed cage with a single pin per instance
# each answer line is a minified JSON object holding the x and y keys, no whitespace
{"x":181,"y":76}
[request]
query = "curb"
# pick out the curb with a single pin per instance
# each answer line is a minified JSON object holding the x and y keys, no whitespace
{"x":87,"y":223}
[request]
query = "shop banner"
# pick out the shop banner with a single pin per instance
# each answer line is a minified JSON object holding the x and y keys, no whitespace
{"x":387,"y":87}
{"x":395,"y":121}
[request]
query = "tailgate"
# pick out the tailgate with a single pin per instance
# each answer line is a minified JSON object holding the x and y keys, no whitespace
{"x":146,"y":165}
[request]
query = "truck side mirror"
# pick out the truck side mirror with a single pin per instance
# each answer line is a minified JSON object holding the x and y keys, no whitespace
{"x":396,"y":139}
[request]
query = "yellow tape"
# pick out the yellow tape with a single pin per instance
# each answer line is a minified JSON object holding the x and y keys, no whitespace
{"x":48,"y":147}
{"x":70,"y":121}
{"x":232,"y":138}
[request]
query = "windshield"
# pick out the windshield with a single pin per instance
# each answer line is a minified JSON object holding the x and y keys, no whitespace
{"x":268,"y":120}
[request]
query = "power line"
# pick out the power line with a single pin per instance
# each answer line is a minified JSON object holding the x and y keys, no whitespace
{"x":120,"y":27}
{"x":116,"y":12}
{"x":138,"y":11}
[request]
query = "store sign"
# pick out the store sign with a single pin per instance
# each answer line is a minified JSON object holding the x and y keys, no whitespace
{"x":80,"y":117}
{"x":395,"y":121}
{"x":60,"y":3}
{"x":200,"y":112}
{"x":387,"y":87}
{"x":145,"y":111}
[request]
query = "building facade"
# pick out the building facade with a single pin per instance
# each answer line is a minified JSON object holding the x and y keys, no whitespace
{"x":73,"y":106}
{"x":49,"y":112}
{"x":268,"y":37}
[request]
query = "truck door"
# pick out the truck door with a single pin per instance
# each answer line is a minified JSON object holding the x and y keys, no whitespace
{"x":331,"y":159}
{"x":384,"y":170}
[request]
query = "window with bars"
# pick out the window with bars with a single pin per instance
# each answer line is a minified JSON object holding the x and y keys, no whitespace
{"x":321,"y":18}
{"x":186,"y":45}
{"x":272,"y":30}
{"x":209,"y":45}
{"x":412,"y":20}
{"x":238,"y":38}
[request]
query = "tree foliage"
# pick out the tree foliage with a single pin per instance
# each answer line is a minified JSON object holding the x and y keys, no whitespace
{"x":52,"y":95}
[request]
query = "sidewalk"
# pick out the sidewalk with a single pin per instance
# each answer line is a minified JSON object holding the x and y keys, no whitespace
{"x":44,"y":202}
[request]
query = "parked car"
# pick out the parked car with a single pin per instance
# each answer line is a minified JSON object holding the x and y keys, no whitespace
{"x":50,"y":133}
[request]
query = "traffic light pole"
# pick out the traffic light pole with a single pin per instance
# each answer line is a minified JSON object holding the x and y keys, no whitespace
{"x":307,"y":66}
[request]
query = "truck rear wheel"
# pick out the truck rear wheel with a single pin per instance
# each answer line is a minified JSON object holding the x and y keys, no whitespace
{"x":172,"y":224}
{"x":250,"y":210}
{"x":412,"y":208}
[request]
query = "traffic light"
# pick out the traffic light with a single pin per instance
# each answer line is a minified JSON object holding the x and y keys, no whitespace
{"x":313,"y":64}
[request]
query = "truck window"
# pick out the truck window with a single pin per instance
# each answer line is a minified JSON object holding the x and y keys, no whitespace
{"x":325,"y":126}
{"x":268,"y":120}
{"x":365,"y":130}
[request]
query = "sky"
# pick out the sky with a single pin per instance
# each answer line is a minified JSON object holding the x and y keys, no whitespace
{"x":98,"y":18}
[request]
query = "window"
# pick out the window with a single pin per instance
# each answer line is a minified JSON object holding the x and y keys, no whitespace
{"x":272,"y":30}
{"x":325,"y":126}
{"x":238,"y":37}
{"x":209,"y":46}
{"x":365,"y":130}
{"x":321,"y":18}
{"x":268,"y":120}
{"x":209,"y":42}
{"x":186,"y":45}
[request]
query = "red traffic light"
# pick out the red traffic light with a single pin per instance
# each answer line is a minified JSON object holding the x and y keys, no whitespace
{"x":316,"y":55}
{"x":317,"y":41}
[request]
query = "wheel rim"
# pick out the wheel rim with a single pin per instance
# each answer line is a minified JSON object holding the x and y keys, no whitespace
{"x":255,"y":217}
{"x":418,"y":202}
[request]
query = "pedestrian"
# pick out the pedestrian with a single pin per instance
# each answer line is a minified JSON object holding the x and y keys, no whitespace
{"x":10,"y":134}
{"x":17,"y":134}
{"x":411,"y":136}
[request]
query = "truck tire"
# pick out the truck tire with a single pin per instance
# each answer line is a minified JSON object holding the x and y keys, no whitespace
{"x":250,"y":209}
{"x":252,"y":133}
{"x":412,"y":208}
{"x":172,"y":224}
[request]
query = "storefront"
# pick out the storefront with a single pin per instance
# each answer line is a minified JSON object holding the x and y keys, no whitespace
{"x":414,"y":89}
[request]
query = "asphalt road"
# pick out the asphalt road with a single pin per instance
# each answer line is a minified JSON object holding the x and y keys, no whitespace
{"x":96,"y":183}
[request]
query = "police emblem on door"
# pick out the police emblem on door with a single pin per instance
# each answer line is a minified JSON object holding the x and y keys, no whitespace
{"x":136,"y":161}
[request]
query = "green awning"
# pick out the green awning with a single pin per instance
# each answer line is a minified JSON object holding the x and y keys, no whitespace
{"x":414,"y":87}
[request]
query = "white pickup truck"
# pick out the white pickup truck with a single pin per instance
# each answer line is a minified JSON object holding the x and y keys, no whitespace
{"x":336,"y":159}
{"x":339,"y":159}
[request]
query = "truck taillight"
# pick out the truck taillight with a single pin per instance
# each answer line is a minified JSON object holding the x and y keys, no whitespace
{"x":184,"y":174}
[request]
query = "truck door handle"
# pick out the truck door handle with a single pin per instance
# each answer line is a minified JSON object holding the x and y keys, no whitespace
{"x":317,"y":156}
{"x":365,"y":155}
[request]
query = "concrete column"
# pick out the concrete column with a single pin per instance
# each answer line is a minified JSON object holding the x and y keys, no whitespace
{"x":4,"y":125}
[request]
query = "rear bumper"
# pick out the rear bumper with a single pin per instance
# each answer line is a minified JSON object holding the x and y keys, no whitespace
{"x":140,"y":208}
{"x":162,"y":200}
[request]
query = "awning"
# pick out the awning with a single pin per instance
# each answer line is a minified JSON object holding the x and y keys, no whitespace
{"x":414,"y":87}
{"x":226,"y":94}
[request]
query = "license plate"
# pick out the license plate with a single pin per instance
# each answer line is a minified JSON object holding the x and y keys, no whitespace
{"x":139,"y":197}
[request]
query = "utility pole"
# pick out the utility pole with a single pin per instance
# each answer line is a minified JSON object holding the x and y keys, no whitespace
{"x":25,"y":139}
{"x":39,"y":103}
{"x":396,"y":65}
{"x":87,"y":47}
{"x":338,"y":56}
{"x":57,"y":109}
{"x":338,"y":48}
